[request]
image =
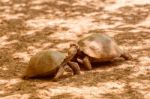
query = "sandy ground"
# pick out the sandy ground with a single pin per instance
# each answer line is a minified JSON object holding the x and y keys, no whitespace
{"x":29,"y":26}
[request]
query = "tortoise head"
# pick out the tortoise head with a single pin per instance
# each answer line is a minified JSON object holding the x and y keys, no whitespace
{"x":72,"y":51}
{"x":73,"y":48}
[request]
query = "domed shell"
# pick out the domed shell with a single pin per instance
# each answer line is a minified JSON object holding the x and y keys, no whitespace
{"x":45,"y":62}
{"x":99,"y":46}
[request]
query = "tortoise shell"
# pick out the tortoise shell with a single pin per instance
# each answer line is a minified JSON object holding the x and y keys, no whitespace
{"x":44,"y":63}
{"x":99,"y":46}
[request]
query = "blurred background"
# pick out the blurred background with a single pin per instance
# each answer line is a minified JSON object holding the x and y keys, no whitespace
{"x":30,"y":26}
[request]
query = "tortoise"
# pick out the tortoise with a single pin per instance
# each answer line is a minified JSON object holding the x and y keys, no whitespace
{"x":51,"y":63}
{"x":99,"y":47}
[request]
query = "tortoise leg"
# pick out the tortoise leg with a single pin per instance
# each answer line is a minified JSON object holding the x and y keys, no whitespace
{"x":126,"y":56}
{"x":59,"y":73}
{"x":87,"y":63}
{"x":75,"y":67}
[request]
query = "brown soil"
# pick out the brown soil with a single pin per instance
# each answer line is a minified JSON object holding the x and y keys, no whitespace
{"x":29,"y":26}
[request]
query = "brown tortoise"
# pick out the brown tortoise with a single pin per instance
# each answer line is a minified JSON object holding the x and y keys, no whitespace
{"x":51,"y":63}
{"x":98,"y":48}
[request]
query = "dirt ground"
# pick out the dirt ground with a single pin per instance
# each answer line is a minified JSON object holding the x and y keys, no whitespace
{"x":29,"y":26}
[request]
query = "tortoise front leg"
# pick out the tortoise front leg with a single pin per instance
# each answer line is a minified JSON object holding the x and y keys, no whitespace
{"x":87,"y":63}
{"x":59,"y":73}
{"x":75,"y":67}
